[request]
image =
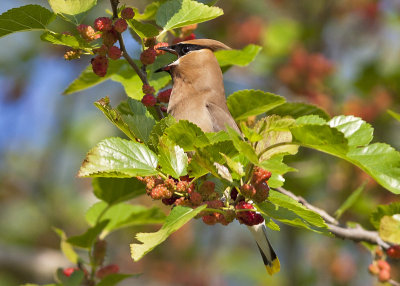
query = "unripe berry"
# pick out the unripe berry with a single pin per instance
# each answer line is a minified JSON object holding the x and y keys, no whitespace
{"x":160,"y":192}
{"x":262,"y":192}
{"x":378,"y":251}
{"x":148,"y":89}
{"x":207,"y":188}
{"x":68,"y":271}
{"x":148,"y":56}
{"x":215,"y":204}
{"x":192,"y":36}
{"x":209,"y":219}
{"x":127,"y":13}
{"x":72,"y":54}
{"x":87,"y":32}
{"x":102,"y":51}
{"x":373,"y":269}
{"x":170,"y":184}
{"x":384,"y":275}
{"x":182,"y":186}
{"x":394,"y":251}
{"x":382,"y":264}
{"x":100,"y":65}
{"x":120,"y":25}
{"x":149,"y":100}
{"x":248,"y":191}
{"x":114,"y":53}
{"x":109,"y":38}
{"x":164,"y":96}
{"x":149,"y":42}
{"x":107,"y":270}
{"x":248,"y":217}
{"x":195,"y":198}
{"x":260,"y":175}
{"x":159,"y":45}
{"x":103,"y":24}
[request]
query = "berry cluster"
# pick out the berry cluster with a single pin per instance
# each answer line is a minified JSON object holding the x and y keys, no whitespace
{"x":258,"y":189}
{"x":220,"y":209}
{"x":108,"y":30}
{"x":305,"y":74}
{"x":379,"y":267}
{"x":150,"y":100}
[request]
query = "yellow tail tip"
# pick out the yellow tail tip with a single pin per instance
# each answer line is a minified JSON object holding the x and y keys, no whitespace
{"x":274,"y":268}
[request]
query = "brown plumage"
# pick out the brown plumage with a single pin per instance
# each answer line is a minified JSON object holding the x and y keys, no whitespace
{"x":198,"y":95}
{"x":198,"y":92}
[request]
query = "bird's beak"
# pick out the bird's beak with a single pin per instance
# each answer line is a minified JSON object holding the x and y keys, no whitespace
{"x":169,"y":50}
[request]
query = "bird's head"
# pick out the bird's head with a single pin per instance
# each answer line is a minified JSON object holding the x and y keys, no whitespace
{"x":192,"y":51}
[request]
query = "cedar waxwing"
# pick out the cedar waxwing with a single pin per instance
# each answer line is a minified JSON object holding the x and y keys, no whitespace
{"x":198,"y":95}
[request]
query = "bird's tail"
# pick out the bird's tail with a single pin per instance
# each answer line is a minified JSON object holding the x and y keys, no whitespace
{"x":269,"y":257}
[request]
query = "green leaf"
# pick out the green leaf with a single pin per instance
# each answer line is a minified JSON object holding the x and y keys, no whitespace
{"x":215,"y":137}
{"x":237,"y":57}
{"x":114,"y":116}
{"x":242,"y":146}
{"x":115,"y":190}
{"x":144,"y":30}
{"x":245,"y":103}
{"x":172,"y":159}
{"x":289,"y":211}
{"x":395,"y":115}
{"x":274,"y":131}
{"x":310,"y":120}
{"x":124,"y":215}
{"x":87,"y":239}
{"x":251,"y":134}
{"x":89,"y":79}
{"x":176,"y":219}
{"x":179,"y":13}
{"x":389,"y":228}
{"x":140,"y":125}
{"x":71,"y":7}
{"x":65,"y":40}
{"x":383,"y":210}
{"x":381,"y":161}
{"x":187,"y":135}
{"x":271,"y":224}
{"x":322,"y":138}
{"x":205,"y":157}
{"x":25,"y":18}
{"x":66,"y":248}
{"x":149,"y":12}
{"x":116,"y":157}
{"x":357,"y":131}
{"x":114,"y":278}
{"x":298,"y":109}
{"x":75,"y":279}
{"x":349,"y":201}
{"x":158,"y":131}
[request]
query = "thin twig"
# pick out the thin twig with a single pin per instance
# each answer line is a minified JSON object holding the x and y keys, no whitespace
{"x":142,"y":74}
{"x":357,"y":234}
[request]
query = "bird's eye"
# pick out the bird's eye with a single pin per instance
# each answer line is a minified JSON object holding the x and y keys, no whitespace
{"x":185,"y":49}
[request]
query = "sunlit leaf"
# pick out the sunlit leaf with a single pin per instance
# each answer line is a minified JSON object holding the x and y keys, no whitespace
{"x":71,"y":7}
{"x":245,"y":103}
{"x":382,"y":210}
{"x":117,"y":157}
{"x":298,"y":109}
{"x":357,"y":131}
{"x":389,"y":228}
{"x":177,"y":218}
{"x":65,"y":40}
{"x":25,"y":18}
{"x":179,"y":13}
{"x":66,"y":247}
{"x":144,"y":30}
{"x":237,"y":57}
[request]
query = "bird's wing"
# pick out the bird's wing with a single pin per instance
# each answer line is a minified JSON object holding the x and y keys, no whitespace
{"x":221,"y":118}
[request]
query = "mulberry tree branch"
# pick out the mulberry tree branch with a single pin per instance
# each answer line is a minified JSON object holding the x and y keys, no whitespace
{"x":357,"y":234}
{"x":141,"y":73}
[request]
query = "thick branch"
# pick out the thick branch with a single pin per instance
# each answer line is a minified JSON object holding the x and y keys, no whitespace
{"x":357,"y":234}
